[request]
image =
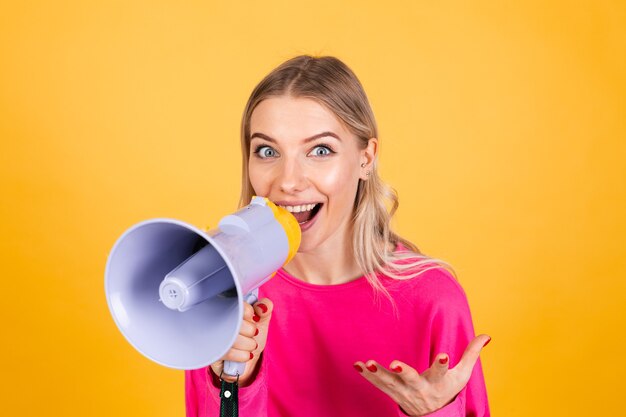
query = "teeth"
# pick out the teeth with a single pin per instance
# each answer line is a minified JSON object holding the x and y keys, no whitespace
{"x":299,"y":209}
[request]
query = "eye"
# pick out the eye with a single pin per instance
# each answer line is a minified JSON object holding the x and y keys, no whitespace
{"x":265,"y":152}
{"x":321,"y":150}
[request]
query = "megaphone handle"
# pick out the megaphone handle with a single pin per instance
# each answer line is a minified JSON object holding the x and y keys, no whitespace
{"x":233,"y":368}
{"x":252,"y":297}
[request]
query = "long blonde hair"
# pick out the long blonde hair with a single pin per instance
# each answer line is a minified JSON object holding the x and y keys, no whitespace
{"x":331,"y":83}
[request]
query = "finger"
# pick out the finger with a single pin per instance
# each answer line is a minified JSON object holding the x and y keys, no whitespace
{"x":471,"y":354}
{"x":238,"y":355}
{"x":248,"y":329}
{"x":248,"y":312}
{"x":387,"y":381}
{"x":439,"y":367}
{"x":263,"y":309}
{"x":245,"y":343}
{"x":408,"y":374}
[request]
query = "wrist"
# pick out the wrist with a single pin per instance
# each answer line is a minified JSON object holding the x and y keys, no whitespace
{"x":429,"y":412}
{"x":402,"y":410}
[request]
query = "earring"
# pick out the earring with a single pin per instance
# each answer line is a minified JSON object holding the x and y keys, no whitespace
{"x":363,"y":166}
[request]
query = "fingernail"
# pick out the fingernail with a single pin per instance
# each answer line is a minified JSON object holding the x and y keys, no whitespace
{"x":358,"y":368}
{"x":443,"y":361}
{"x":372,"y":368}
{"x":263,"y":307}
{"x":257,"y":332}
{"x":251,"y":355}
{"x":487,"y":342}
{"x":257,"y":345}
{"x":256,"y":318}
{"x":397,"y":369}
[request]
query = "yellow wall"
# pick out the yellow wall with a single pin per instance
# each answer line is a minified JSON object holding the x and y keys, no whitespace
{"x":502,"y":127}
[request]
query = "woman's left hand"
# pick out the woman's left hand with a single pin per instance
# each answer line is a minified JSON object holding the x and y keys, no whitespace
{"x":419,"y":394}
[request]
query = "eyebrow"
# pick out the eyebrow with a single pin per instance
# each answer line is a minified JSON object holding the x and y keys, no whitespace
{"x":305,"y":140}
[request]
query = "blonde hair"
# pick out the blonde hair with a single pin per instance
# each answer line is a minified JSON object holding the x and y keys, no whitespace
{"x":331,"y":83}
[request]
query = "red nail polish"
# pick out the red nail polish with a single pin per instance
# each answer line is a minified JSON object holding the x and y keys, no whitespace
{"x":262,"y":307}
{"x":251,"y":355}
{"x":257,"y":345}
{"x":256,"y":318}
{"x":487,"y":342}
{"x":257,"y":332}
{"x":443,"y":361}
{"x":372,"y":368}
{"x":397,"y":369}
{"x":358,"y":368}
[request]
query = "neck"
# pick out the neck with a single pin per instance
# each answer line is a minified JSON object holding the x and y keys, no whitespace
{"x":330,"y":263}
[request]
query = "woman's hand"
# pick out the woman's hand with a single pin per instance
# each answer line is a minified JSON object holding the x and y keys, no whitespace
{"x":436,"y":387}
{"x":250,"y":341}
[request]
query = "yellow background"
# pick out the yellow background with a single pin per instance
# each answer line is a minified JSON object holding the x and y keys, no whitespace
{"x":502,"y":128}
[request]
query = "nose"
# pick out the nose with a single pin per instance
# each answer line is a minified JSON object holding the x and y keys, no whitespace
{"x":292,"y":178}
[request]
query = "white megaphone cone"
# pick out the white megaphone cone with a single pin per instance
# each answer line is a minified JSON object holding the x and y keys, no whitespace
{"x":176,"y":292}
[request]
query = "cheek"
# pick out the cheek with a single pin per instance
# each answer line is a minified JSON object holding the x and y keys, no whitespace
{"x":256,"y":179}
{"x":339,"y":183}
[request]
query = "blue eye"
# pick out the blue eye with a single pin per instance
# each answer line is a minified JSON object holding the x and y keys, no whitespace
{"x":265,"y":152}
{"x":321,"y":150}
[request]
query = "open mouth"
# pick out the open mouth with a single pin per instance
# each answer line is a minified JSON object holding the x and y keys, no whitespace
{"x":306,"y":213}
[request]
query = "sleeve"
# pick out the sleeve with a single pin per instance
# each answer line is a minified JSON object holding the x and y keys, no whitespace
{"x":202,"y":394}
{"x":451,"y":330}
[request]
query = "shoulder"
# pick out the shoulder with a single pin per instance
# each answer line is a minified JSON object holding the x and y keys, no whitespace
{"x":430,"y":280}
{"x":441,"y":287}
{"x":429,"y":283}
{"x":436,"y":297}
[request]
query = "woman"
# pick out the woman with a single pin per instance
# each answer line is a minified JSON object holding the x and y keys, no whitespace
{"x":336,"y":348}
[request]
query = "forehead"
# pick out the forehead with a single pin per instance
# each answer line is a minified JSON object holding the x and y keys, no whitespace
{"x":285,"y":118}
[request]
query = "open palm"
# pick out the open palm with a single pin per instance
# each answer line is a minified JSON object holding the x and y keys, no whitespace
{"x":418,"y":394}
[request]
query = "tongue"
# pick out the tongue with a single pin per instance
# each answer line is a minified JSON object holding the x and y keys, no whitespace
{"x":303,"y":216}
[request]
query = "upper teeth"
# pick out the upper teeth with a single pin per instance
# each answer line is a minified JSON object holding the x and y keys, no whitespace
{"x":298,"y":209}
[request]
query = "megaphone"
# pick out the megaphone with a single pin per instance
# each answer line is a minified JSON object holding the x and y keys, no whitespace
{"x":176,"y":293}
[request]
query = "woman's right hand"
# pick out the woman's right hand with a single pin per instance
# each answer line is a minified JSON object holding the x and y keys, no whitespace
{"x":250,"y":341}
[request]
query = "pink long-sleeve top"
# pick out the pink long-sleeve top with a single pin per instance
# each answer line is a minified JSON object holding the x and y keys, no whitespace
{"x":317,"y":332}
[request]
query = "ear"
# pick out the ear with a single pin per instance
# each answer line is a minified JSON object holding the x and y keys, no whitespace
{"x":367,"y":158}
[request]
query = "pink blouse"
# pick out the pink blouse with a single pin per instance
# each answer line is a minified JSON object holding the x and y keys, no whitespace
{"x":317,"y":332}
